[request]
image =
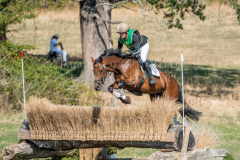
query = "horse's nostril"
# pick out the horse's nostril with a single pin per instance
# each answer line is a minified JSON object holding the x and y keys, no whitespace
{"x":97,"y":88}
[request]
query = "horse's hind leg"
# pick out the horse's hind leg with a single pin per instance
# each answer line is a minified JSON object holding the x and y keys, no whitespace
{"x":160,"y":95}
{"x":155,"y":96}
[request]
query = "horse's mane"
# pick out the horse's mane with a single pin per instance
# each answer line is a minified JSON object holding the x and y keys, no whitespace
{"x":108,"y":53}
{"x":111,"y":52}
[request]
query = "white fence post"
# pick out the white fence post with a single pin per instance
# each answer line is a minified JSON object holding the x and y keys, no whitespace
{"x":21,"y":54}
{"x":183,"y":118}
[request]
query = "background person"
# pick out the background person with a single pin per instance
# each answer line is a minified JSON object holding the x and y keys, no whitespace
{"x":53,"y":48}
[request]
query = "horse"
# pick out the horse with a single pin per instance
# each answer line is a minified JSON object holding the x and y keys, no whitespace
{"x":129,"y":76}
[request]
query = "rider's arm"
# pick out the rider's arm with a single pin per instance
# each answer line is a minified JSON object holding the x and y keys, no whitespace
{"x":135,"y":40}
{"x":120,"y":45}
{"x":54,"y":41}
{"x":57,"y":44}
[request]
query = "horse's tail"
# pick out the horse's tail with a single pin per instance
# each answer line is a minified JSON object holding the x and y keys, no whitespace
{"x":188,"y":111}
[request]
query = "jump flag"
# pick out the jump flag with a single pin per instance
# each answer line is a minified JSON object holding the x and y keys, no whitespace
{"x":21,"y":54}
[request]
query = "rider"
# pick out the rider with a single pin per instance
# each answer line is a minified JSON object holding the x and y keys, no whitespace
{"x":53,"y":48}
{"x":136,"y":44}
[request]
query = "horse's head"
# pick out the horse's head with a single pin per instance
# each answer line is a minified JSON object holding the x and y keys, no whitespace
{"x":100,"y":73}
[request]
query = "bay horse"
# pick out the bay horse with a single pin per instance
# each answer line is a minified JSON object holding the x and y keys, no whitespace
{"x":129,"y":76}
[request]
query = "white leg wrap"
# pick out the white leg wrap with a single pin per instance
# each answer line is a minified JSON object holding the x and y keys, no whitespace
{"x":116,"y":94}
{"x":123,"y":97}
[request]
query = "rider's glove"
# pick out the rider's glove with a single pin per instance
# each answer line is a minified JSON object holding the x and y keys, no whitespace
{"x":127,"y":53}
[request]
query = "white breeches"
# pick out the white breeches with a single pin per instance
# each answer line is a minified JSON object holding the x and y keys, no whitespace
{"x":62,"y":53}
{"x":144,"y":52}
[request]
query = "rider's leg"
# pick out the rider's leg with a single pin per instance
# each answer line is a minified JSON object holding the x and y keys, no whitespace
{"x":144,"y":52}
{"x":62,"y":53}
{"x":64,"y":56}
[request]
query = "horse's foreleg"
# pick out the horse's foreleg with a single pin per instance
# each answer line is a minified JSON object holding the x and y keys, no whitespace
{"x":111,"y":90}
{"x":121,"y":95}
{"x":123,"y":98}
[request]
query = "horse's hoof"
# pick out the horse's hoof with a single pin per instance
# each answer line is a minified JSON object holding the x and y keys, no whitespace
{"x":127,"y":100}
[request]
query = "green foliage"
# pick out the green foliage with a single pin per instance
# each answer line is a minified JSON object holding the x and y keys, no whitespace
{"x":229,"y":157}
{"x":15,"y":11}
{"x":176,"y":10}
{"x":10,"y":49}
{"x":112,"y":150}
{"x":236,"y":6}
{"x":42,"y":79}
{"x":73,"y":156}
{"x":56,"y":4}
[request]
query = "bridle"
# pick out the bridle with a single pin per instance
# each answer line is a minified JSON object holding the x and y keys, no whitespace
{"x":103,"y":79}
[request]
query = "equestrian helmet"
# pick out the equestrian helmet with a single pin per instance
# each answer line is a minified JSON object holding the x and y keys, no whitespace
{"x":122,"y":28}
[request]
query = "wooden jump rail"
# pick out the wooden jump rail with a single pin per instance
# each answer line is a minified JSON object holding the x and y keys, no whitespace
{"x":32,"y":148}
{"x":29,"y":148}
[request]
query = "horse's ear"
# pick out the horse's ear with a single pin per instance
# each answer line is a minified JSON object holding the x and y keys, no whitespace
{"x":93,"y":60}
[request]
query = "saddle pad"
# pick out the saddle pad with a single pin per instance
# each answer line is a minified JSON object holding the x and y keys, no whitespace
{"x":155,"y":71}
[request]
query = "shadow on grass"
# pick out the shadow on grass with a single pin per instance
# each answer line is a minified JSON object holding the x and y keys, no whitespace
{"x":211,"y":78}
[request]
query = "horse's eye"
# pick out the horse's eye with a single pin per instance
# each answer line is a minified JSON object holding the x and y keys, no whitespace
{"x":101,"y":71}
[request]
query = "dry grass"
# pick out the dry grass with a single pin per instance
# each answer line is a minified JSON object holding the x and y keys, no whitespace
{"x":204,"y":135}
{"x":212,"y":108}
{"x":65,"y":22}
{"x":213,"y":42}
{"x":146,"y":122}
{"x":216,"y":107}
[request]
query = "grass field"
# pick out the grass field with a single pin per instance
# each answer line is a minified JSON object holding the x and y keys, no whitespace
{"x":211,"y":66}
{"x":213,"y":42}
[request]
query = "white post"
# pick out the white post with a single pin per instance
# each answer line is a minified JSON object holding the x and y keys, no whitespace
{"x":21,"y":54}
{"x":183,"y":118}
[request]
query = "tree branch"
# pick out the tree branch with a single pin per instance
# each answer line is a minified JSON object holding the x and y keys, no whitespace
{"x":151,"y":7}
{"x":96,"y":16}
{"x":109,"y":4}
{"x":145,"y":15}
{"x":127,"y":8}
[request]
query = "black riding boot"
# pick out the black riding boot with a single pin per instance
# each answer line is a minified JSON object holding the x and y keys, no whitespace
{"x":149,"y":73}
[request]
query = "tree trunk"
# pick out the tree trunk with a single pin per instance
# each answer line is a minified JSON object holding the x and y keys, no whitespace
{"x":3,"y":37}
{"x":95,"y":33}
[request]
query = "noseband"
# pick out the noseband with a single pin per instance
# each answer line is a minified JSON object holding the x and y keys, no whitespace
{"x":103,"y":79}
